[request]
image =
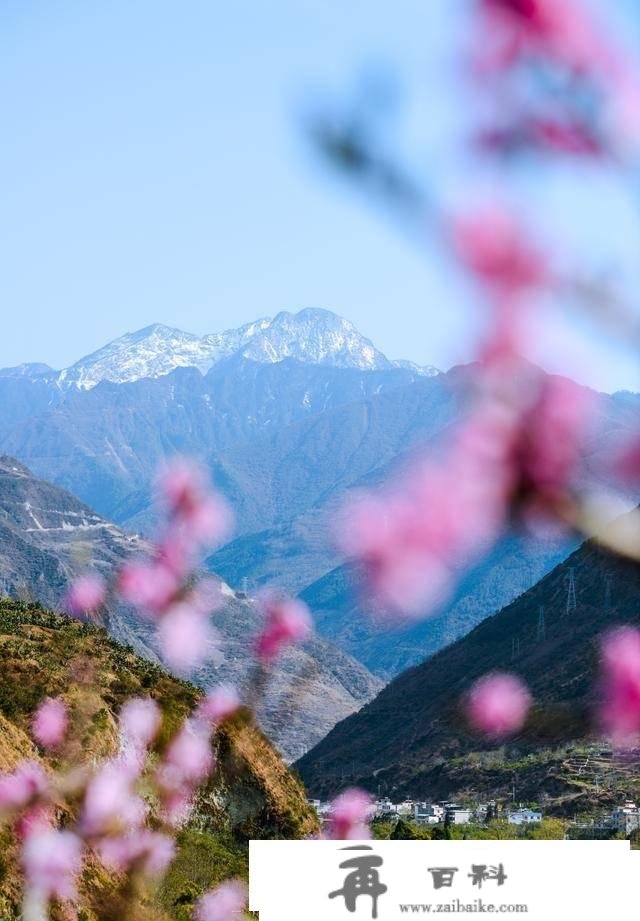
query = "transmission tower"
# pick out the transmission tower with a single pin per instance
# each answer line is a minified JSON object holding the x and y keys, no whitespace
{"x":542,"y":628}
{"x":607,"y":592}
{"x":571,"y":592}
{"x":515,"y":647}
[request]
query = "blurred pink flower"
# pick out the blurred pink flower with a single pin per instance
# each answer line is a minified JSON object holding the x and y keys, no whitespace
{"x":87,"y":594}
{"x":412,"y":537}
{"x":566,"y":136}
{"x":348,"y":816}
{"x":498,"y":704}
{"x":186,"y":637}
{"x":149,"y":851}
{"x":495,"y":247}
{"x":52,"y":860}
{"x":110,"y":804}
{"x":218,"y":705}
{"x":189,"y":759}
{"x":147,"y":585}
{"x":194,"y":506}
{"x":50,"y":723}
{"x":223,"y":903}
{"x":21,"y":787}
{"x":626,"y":464}
{"x":139,"y":722}
{"x":390,"y":536}
{"x":546,"y":453}
{"x":620,"y":710}
{"x":287,"y":622}
{"x":559,"y":30}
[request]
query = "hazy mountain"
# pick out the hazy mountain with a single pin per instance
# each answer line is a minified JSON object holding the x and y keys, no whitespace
{"x":412,"y":736}
{"x":47,"y":536}
{"x":104,"y":444}
{"x":290,"y":418}
{"x":312,"y":336}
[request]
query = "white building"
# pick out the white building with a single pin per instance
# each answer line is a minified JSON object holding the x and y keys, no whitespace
{"x":524,"y":817}
{"x":456,"y":814}
{"x":385,"y":808}
{"x":428,"y":813}
{"x":626,"y":818}
{"x":406,"y":808}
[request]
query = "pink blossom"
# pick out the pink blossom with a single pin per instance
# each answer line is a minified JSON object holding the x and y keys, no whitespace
{"x":493,"y":245}
{"x":559,"y":30}
{"x":620,"y":710}
{"x":189,"y":755}
{"x":149,"y":586}
{"x":223,"y":903}
{"x":218,"y":705}
{"x":551,"y":433}
{"x":571,"y":137}
{"x":288,"y":622}
{"x":110,"y":803}
{"x":403,"y":569}
{"x":186,"y":637}
{"x":194,"y":506}
{"x":52,"y":860}
{"x":140,"y":720}
{"x":626,"y":464}
{"x":24,"y":785}
{"x":348,"y":816}
{"x":50,"y":723}
{"x":187,"y":762}
{"x":409,"y":538}
{"x":149,"y":851}
{"x":498,"y":704}
{"x":86,"y":594}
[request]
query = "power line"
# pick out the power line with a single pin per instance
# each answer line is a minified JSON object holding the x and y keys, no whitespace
{"x":571,"y":592}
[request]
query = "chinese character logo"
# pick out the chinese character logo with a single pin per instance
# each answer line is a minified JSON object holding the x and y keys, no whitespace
{"x":480,"y":873}
{"x":443,"y":876}
{"x":363,"y":879}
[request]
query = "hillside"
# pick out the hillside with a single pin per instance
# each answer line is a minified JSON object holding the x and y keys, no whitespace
{"x":252,"y":794}
{"x":292,"y":415}
{"x":47,"y":536}
{"x":412,"y":738}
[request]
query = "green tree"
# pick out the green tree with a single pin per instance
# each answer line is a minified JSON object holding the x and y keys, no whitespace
{"x":404,"y":832}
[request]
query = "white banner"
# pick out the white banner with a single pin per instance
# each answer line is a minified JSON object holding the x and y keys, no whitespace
{"x":389,"y":880}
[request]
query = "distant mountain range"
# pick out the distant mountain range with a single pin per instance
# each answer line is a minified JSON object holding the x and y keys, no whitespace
{"x":47,"y":537}
{"x":311,"y":336}
{"x":291,"y":415}
{"x":413,"y":740}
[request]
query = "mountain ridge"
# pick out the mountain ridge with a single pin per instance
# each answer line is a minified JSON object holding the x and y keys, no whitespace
{"x":48,"y":537}
{"x":431,"y":750}
{"x":312,"y":335}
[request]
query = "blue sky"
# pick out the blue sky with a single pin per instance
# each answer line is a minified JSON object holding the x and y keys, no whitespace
{"x":154,"y":169}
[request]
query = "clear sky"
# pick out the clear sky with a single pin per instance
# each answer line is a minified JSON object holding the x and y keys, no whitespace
{"x":154,"y":168}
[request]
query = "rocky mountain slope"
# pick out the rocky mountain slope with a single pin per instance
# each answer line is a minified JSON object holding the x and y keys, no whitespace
{"x":250,"y":795}
{"x":291,"y":418}
{"x":413,"y":739}
{"x":47,"y":536}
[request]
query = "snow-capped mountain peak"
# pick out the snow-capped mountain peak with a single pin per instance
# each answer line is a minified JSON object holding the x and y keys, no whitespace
{"x":312,"y":336}
{"x":316,"y":337}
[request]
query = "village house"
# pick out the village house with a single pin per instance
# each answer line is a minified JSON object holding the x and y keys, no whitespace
{"x":524,"y":817}
{"x":626,"y":818}
{"x":428,"y":813}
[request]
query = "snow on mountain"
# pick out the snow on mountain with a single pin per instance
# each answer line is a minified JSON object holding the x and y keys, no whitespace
{"x":29,"y":370}
{"x":154,"y":351}
{"x":312,"y":336}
